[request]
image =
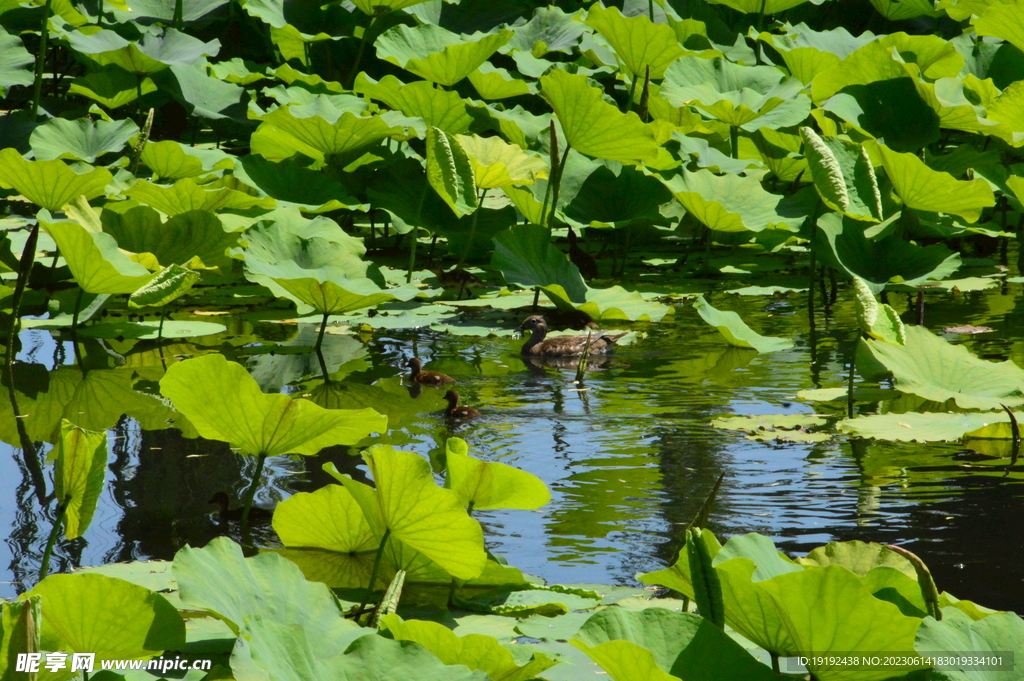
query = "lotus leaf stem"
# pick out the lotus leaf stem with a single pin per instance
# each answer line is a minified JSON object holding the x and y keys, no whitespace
{"x":44,"y":569}
{"x":472,"y":228}
{"x":359,"y":53}
{"x":376,"y":565}
{"x":251,"y":492}
{"x":44,"y":35}
{"x":320,"y":340}
{"x":28,"y":256}
{"x":734,"y":141}
{"x":558,"y":186}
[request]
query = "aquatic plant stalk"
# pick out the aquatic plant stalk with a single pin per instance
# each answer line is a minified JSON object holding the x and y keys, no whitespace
{"x":376,"y":566}
{"x":359,"y":53}
{"x":558,"y":186}
{"x":44,"y":568}
{"x":553,"y":164}
{"x":924,"y":578}
{"x":250,"y":494}
{"x":44,"y":35}
{"x":582,"y":366}
{"x":28,"y":256}
{"x":472,"y":228}
{"x":320,"y":337}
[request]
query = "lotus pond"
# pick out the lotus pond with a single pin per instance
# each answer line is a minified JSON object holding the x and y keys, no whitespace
{"x":228,"y":227}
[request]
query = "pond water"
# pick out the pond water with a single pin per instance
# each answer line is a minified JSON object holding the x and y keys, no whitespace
{"x":629,"y":460}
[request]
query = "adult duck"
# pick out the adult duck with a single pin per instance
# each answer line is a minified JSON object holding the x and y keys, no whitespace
{"x":432,"y":378}
{"x":539,"y":345}
{"x":454,"y":411}
{"x":226,"y":513}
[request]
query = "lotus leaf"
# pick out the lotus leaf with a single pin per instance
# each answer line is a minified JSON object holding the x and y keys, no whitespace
{"x":82,"y":139}
{"x":490,"y":484}
{"x":807,"y":52}
{"x":49,"y":184}
{"x":730,"y":203}
{"x":167,"y":284}
{"x":172,"y":161}
{"x":638,"y":42}
{"x":928,"y":427}
{"x":858,"y":557}
{"x":327,"y":519}
{"x":498,"y":164}
{"x":288,"y":182}
{"x":13,"y":61}
{"x":878,"y":321}
{"x":259,"y":424}
{"x":111,"y":86}
{"x":439,"y":108}
{"x":495,"y":83}
{"x":320,"y":130}
{"x":548,"y":30}
{"x":476,"y":651}
{"x":925,"y":189}
{"x":613,"y":195}
{"x":997,"y":633}
{"x":202,"y":95}
{"x":19,"y":632}
{"x":594,"y":127}
{"x":79,"y":475}
{"x":95,"y":260}
{"x":185,"y":195}
{"x":761,"y":6}
{"x":435,"y":54}
{"x":155,"y":52}
{"x":194,"y":233}
{"x":450,"y":172}
{"x":526,"y":256}
{"x":843,"y":176}
{"x":146,"y":624}
{"x":417,"y":513}
{"x":736,"y":332}
{"x":1002,"y":20}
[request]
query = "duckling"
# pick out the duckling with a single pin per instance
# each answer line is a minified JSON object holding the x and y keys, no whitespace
{"x":563,"y":346}
{"x":256,"y":513}
{"x":432,"y":378}
{"x":454,"y":411}
{"x":583,"y":260}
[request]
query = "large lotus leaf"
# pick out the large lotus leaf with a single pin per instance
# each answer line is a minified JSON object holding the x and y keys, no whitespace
{"x":922,"y":188}
{"x":379,"y":7}
{"x":419,"y":515}
{"x":19,"y":633}
{"x":499,"y":164}
{"x":79,"y":475}
{"x":124,"y":621}
{"x":927,"y":427}
{"x":49,"y":184}
{"x":1006,"y":110}
{"x":891,"y":109}
{"x":490,"y":484}
{"x":578,"y":169}
{"x":261,"y":424}
{"x":594,"y":127}
{"x":549,"y":30}
{"x":288,"y":182}
{"x":476,"y":651}
{"x":526,"y":256}
{"x":82,"y":139}
{"x":266,"y":587}
{"x":807,"y":52}
{"x":1002,"y":20}
{"x":165,"y":9}
{"x":155,"y":52}
{"x":95,"y":260}
{"x":900,"y":10}
{"x":760,"y":6}
{"x":442,"y":109}
{"x":731,"y":203}
{"x":328,"y":293}
{"x":934,"y":369}
{"x":858,"y":557}
{"x":420,"y":207}
{"x":111,"y":86}
{"x":625,"y":661}
{"x":201,"y":94}
{"x":735,"y":330}
{"x":950,"y":99}
{"x":495,"y":83}
{"x":194,"y":233}
{"x":614,"y":194}
{"x":747,"y":96}
{"x":185,"y":195}
{"x":685,"y":645}
{"x":878,"y":321}
{"x":881,"y":261}
{"x":167,"y":285}
{"x":615,"y":304}
{"x":14,"y":59}
{"x":328,"y":519}
{"x":998,"y":633}
{"x":450,"y":172}
{"x":843,"y":175}
{"x":320,"y":130}
{"x":436,"y":54}
{"x":638,"y":42}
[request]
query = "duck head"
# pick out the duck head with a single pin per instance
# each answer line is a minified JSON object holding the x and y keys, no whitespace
{"x":533,"y":324}
{"x":221,"y":499}
{"x":453,"y":398}
{"x":415,"y":364}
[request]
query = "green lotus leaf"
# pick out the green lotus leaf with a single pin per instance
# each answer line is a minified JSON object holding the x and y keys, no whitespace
{"x":928,"y":427}
{"x":259,"y":424}
{"x":421,"y":519}
{"x":293,"y":44}
{"x":79,"y":475}
{"x":900,"y":10}
{"x":95,"y":260}
{"x":450,"y":172}
{"x":490,"y":484}
{"x":878,"y":321}
{"x":922,"y":188}
{"x":750,"y":97}
{"x":14,"y":59}
{"x":202,"y":95}
{"x":499,"y":164}
{"x":934,"y":369}
{"x":379,"y":7}
{"x":442,"y":109}
{"x":409,"y":209}
{"x":612,"y":304}
{"x":997,"y":633}
{"x":171,"y":161}
{"x":288,"y":182}
{"x":49,"y":184}
{"x":881,"y":261}
{"x":236,"y":589}
{"x":807,"y":53}
{"x":858,"y":557}
{"x":169,"y":283}
{"x":638,"y":42}
{"x":1001,"y":20}
{"x":770,"y":426}
{"x":843,"y":175}
{"x":594,"y":127}
{"x":164,"y":9}
{"x":19,"y":632}
{"x":908,"y":123}
{"x":548,"y":30}
{"x":494,"y":83}
{"x":320,"y":130}
{"x":194,"y":233}
{"x":146,"y":624}
{"x":736,"y":332}
{"x":339,"y":295}
{"x":612,"y":194}
{"x":111,"y":86}
{"x":185,"y":195}
{"x":155,"y":52}
{"x":526,"y":256}
{"x":681,"y":645}
{"x":760,"y":6}
{"x":436,"y":54}
{"x":150,"y":330}
{"x":730,"y":203}
{"x":238,"y":70}
{"x":476,"y":651}
{"x":327,"y":519}
{"x":82,"y":139}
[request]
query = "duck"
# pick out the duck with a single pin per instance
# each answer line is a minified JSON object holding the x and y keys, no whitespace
{"x":563,"y":346}
{"x":433,"y":378}
{"x":454,"y":411}
{"x":583,"y":260}
{"x":224,"y":501}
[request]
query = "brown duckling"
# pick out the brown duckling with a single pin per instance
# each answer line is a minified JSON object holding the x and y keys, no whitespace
{"x":454,"y":411}
{"x":433,"y":378}
{"x":583,"y":260}
{"x":563,"y":346}
{"x":224,"y":501}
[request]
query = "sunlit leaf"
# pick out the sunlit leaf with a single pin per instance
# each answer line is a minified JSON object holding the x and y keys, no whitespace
{"x":168,"y":284}
{"x":638,"y":42}
{"x":736,"y":332}
{"x":450,"y":172}
{"x":490,"y":484}
{"x":436,"y":54}
{"x":843,"y":176}
{"x":95,"y":260}
{"x":49,"y":184}
{"x":79,"y":475}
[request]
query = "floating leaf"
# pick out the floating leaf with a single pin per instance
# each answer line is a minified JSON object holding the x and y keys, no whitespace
{"x":928,"y":427}
{"x":736,"y":332}
{"x":490,"y":484}
{"x":79,"y":475}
